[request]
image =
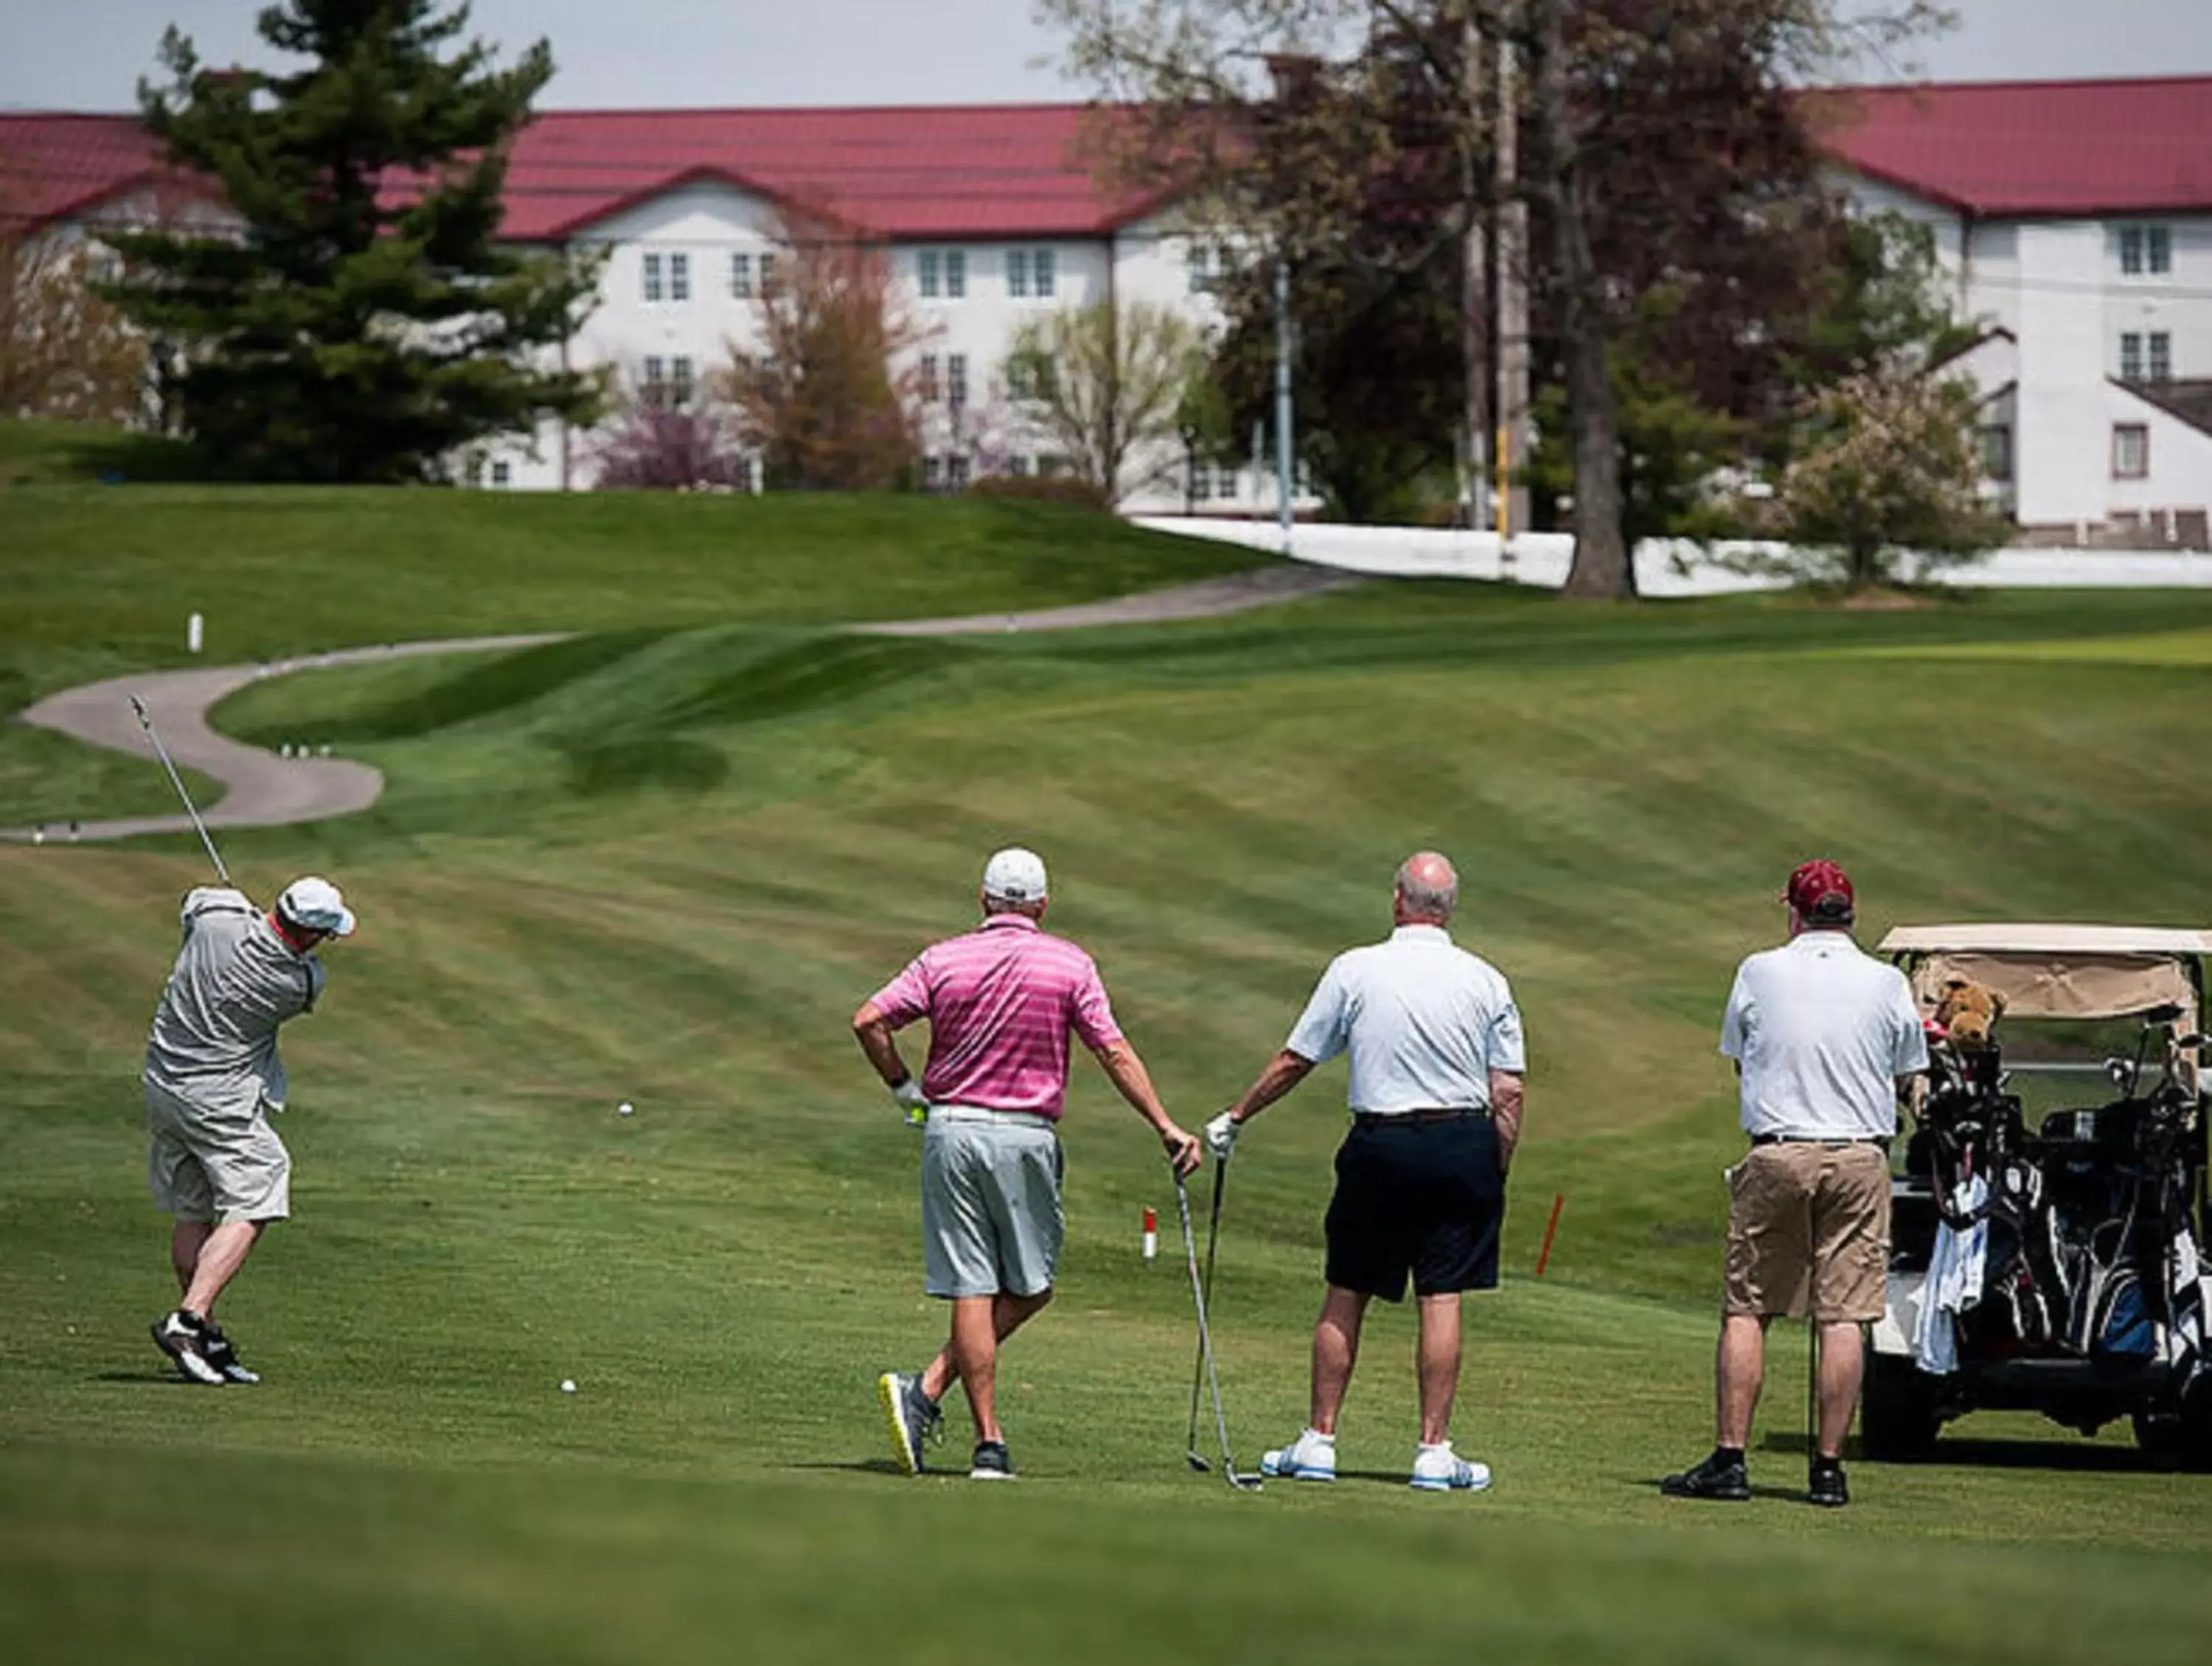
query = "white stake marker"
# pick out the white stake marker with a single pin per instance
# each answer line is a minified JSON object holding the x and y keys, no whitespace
{"x":195,"y":634}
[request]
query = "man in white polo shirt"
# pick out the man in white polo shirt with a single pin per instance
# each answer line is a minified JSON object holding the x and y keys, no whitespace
{"x":1436,"y":1095}
{"x":1824,"y":1038}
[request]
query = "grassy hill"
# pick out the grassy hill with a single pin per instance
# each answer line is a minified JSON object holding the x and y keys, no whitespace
{"x":663,"y":863}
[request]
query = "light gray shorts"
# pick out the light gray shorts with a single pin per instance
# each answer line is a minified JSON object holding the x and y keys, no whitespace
{"x":210,"y":1165}
{"x":991,"y":1220}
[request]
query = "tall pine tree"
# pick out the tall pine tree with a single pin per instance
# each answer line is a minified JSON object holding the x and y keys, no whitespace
{"x":362,"y":321}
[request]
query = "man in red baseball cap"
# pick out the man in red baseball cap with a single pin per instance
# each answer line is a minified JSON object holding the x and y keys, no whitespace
{"x":1824,"y":1038}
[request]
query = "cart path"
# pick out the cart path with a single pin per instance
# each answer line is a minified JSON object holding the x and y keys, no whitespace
{"x":262,"y":790}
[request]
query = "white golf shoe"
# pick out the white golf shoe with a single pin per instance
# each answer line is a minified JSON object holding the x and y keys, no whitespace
{"x":1439,"y":1470}
{"x":1311,"y":1457}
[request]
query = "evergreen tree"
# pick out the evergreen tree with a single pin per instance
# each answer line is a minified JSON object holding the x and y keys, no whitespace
{"x":361,"y":323}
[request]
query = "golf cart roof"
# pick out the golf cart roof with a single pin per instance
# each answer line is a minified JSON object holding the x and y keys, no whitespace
{"x":2046,"y":940}
{"x":2057,"y":970}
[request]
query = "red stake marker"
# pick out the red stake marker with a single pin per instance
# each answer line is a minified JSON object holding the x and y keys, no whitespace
{"x":1152,"y":1233}
{"x":1544,"y":1258}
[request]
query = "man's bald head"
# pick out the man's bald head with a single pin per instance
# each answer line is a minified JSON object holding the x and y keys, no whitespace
{"x":1428,"y":890}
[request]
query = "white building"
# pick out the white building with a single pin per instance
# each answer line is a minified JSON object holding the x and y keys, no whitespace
{"x":2074,"y":218}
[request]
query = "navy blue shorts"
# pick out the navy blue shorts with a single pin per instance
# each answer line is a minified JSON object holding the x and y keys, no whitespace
{"x":1420,"y":1199}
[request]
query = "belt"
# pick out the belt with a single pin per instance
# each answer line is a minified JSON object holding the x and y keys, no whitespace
{"x":1427,"y":1118}
{"x":1818,"y":1139}
{"x":980,"y":1114}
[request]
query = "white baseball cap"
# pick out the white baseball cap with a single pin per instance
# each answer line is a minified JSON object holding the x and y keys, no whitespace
{"x":317,"y":905}
{"x":1015,"y":875}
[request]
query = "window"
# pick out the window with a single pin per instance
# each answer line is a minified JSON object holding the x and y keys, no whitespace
{"x":741,"y":276}
{"x":1030,"y":376}
{"x":941,"y":273}
{"x":928,"y":378}
{"x":1042,"y":276}
{"x":926,"y":267}
{"x":679,"y":382}
{"x":656,"y":380}
{"x":767,"y":275}
{"x":2131,"y":356}
{"x":1996,"y":452}
{"x":652,"y":277}
{"x":956,"y":474}
{"x":1018,"y":273}
{"x":2131,"y":451}
{"x":1201,"y":482}
{"x":932,"y":474}
{"x":1050,"y":464}
{"x":1018,"y":466}
{"x":503,"y":472}
{"x":679,"y":277}
{"x":2146,"y":250}
{"x":1199,"y":268}
{"x":955,"y":379}
{"x":2161,"y":356}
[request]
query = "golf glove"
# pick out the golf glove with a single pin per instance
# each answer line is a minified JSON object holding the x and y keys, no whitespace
{"x":908,"y":1096}
{"x":1221,"y":1136}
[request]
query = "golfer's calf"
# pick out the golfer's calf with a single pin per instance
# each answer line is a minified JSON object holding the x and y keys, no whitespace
{"x":1000,"y":1002}
{"x":212,"y":1076}
{"x":1824,"y":1038}
{"x":1436,"y":1072}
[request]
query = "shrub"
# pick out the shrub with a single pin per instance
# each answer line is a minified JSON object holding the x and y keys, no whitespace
{"x":1069,"y":490}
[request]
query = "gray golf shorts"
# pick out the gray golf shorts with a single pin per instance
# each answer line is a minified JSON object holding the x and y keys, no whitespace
{"x":991,"y":1219}
{"x":210,"y":1165}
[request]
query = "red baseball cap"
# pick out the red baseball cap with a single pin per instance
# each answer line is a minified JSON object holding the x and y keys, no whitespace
{"x":1820,"y":890}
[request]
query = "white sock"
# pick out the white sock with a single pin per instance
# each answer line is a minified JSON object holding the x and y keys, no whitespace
{"x":1427,"y":1446}
{"x":1319,"y":1438}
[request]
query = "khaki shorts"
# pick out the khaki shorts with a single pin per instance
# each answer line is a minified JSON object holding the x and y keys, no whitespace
{"x":1808,"y":1230}
{"x":991,"y":1217}
{"x":208,"y":1165}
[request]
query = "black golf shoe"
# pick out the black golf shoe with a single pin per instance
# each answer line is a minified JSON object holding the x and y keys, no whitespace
{"x":992,"y":1462}
{"x":183,"y":1337}
{"x":1720,"y":1477}
{"x":1825,"y":1485}
{"x":219,"y":1352}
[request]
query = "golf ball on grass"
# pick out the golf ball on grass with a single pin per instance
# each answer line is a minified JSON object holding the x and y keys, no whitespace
{"x":567,"y":1385}
{"x":625,"y":1109}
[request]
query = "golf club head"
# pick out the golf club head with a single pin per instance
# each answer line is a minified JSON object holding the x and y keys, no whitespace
{"x":1245,"y":1483}
{"x":139,"y":706}
{"x":1197,"y":1462}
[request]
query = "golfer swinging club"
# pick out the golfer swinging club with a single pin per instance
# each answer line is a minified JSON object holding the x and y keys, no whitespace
{"x":212,"y":1076}
{"x":1824,"y":1038}
{"x":1437,"y":1092}
{"x":1001,"y":1001}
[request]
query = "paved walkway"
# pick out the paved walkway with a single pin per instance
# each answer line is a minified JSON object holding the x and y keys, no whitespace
{"x":261,"y":790}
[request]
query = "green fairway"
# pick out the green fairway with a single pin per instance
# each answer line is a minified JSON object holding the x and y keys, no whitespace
{"x":663,"y":863}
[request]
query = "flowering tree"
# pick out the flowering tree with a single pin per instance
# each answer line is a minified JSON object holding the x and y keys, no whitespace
{"x":650,"y":446}
{"x":65,"y":352}
{"x":822,"y":400}
{"x":1890,"y":467}
{"x":1103,"y":385}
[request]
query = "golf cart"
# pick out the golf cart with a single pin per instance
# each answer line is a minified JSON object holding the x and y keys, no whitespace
{"x":2047,"y":1211}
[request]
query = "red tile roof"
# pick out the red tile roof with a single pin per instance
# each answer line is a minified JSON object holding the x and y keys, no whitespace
{"x":2032,"y":149}
{"x":984,"y":171}
{"x":976,"y":171}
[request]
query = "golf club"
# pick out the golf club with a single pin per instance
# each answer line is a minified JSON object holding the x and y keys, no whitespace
{"x":1248,"y":1483}
{"x":146,"y":722}
{"x":1198,"y":1355}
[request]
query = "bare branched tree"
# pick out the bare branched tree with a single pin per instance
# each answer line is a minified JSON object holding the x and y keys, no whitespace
{"x":1104,"y":384}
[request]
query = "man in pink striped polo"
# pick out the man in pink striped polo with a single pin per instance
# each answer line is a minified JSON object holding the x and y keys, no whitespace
{"x":1000,"y":1002}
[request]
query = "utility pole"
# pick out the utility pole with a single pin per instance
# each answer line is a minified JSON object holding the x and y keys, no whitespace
{"x":1512,"y":454}
{"x":1284,"y":448}
{"x":1473,"y":300}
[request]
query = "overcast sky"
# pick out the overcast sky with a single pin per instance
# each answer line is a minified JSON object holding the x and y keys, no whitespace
{"x":87,"y":54}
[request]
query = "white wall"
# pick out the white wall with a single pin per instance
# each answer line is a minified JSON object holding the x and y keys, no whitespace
{"x":2062,"y":442}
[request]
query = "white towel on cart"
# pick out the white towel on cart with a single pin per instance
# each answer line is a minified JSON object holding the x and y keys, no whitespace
{"x":1955,"y":1272}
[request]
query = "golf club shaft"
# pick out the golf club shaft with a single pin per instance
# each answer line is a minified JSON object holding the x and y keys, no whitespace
{"x":1205,"y":1335}
{"x":146,"y":722}
{"x":1198,"y":1356}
